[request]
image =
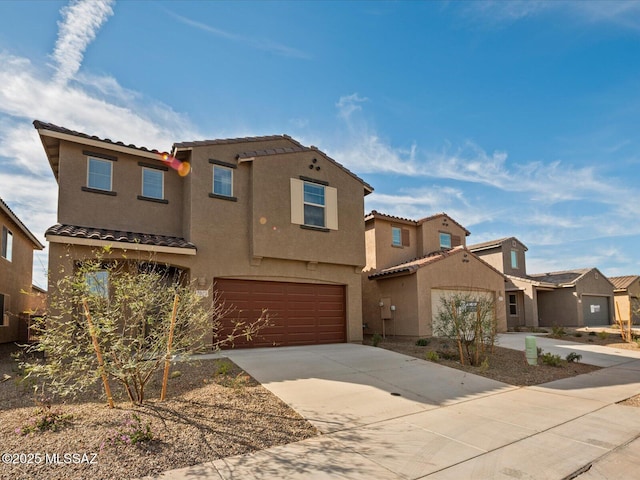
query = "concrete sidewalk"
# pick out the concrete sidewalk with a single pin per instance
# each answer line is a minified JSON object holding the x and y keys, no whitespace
{"x":598,"y":355}
{"x":388,"y":416}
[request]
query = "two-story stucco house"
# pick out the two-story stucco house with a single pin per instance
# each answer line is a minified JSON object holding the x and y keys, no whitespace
{"x":17,"y":244}
{"x":412,"y":265}
{"x":575,"y":298}
{"x":268,"y":222}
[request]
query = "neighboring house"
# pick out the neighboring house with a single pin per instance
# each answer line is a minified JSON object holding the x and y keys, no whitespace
{"x":412,"y":265}
{"x":626,"y":291}
{"x":573,"y":298}
{"x":17,"y":244}
{"x":265,"y":220}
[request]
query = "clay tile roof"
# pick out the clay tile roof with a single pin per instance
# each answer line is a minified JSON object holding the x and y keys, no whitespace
{"x":376,"y":214}
{"x":118,"y":236}
{"x":413,"y":265}
{"x":226,"y":141}
{"x":5,"y":208}
{"x":55,"y":128}
{"x":622,"y":283}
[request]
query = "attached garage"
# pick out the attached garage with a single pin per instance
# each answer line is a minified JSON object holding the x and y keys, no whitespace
{"x":301,"y":313}
{"x":595,"y":310}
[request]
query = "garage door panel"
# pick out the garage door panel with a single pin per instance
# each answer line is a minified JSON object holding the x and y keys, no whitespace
{"x":301,"y":314}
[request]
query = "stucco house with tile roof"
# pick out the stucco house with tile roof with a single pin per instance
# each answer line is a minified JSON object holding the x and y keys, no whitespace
{"x":17,"y":244}
{"x":412,"y":265}
{"x":575,"y":298}
{"x":266,"y":221}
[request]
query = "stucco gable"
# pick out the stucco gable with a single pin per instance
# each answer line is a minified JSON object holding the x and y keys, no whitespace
{"x":18,"y":223}
{"x":497,"y":243}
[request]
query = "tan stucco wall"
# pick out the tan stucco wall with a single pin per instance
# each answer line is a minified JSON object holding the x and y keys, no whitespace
{"x":411,"y":294}
{"x":500,"y":257}
{"x":249,"y":238}
{"x":124,"y":211}
{"x":15,"y":277}
{"x":381,"y":253}
{"x":403,"y":294}
{"x":430,"y":233}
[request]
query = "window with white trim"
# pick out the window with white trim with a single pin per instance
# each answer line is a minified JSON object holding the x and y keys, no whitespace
{"x":152,"y":183}
{"x":445,"y":240}
{"x":99,"y":173}
{"x":7,"y":244}
{"x":396,"y":236}
{"x":222,"y":181}
{"x":314,"y":204}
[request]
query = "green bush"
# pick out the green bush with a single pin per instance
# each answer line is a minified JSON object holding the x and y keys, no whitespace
{"x":603,"y":335}
{"x":376,"y":339}
{"x":131,"y":431}
{"x":558,"y":331}
{"x":422,"y":342}
{"x":432,"y":356}
{"x":574,"y":357}
{"x":551,"y":359}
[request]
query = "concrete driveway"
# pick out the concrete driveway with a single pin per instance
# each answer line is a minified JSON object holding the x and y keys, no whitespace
{"x":387,"y":416}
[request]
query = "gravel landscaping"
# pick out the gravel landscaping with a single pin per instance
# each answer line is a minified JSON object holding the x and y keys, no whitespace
{"x":213,"y":410}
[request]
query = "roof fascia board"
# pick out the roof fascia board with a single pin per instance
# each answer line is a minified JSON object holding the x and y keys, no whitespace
{"x":98,"y":143}
{"x":120,"y":245}
{"x":21,"y":226}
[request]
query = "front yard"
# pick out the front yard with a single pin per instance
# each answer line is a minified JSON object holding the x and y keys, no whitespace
{"x":213,"y":410}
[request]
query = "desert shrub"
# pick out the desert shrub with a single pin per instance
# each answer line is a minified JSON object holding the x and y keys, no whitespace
{"x":551,"y":359}
{"x":422,"y":342}
{"x":45,"y":417}
{"x":376,"y":339}
{"x":131,"y":431}
{"x":432,"y":356}
{"x":484,"y":366}
{"x":577,"y":334}
{"x":573,"y":357}
{"x":602,"y":335}
{"x":469,"y":319}
{"x":557,"y":331}
{"x":592,"y":334}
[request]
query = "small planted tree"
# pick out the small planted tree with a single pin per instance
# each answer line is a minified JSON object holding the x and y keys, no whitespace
{"x":112,"y":319}
{"x":469,"y":319}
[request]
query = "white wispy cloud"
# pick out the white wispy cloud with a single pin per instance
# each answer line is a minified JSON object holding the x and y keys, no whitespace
{"x":81,"y":21}
{"x":621,"y":13}
{"x":92,"y":104}
{"x":255,"y":43}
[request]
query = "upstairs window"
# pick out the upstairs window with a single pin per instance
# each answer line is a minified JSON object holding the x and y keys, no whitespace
{"x":314,"y":205}
{"x":396,"y":236}
{"x":445,"y":240}
{"x":399,"y":237}
{"x":514,"y":259}
{"x":99,"y":173}
{"x":7,"y":244}
{"x":222,"y":181}
{"x":152,"y":183}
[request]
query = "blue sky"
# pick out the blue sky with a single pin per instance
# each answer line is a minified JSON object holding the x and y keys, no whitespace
{"x":516,"y":118}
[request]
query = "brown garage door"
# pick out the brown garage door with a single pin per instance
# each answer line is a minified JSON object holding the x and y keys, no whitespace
{"x":301,"y":313}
